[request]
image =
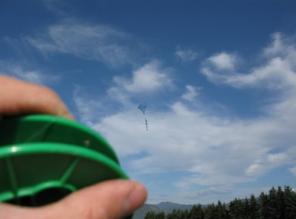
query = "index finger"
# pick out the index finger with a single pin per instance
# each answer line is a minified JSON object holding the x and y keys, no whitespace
{"x":19,"y":97}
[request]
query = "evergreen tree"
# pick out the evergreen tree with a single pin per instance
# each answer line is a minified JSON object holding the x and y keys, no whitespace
{"x":196,"y":212}
{"x":290,"y":201}
{"x":160,"y":215}
{"x":272,"y":204}
{"x":263,"y":200}
{"x":222,"y":211}
{"x":246,"y":208}
{"x":236,"y":209}
{"x":276,"y":204}
{"x":150,"y":215}
{"x":254,"y":212}
{"x":281,"y":203}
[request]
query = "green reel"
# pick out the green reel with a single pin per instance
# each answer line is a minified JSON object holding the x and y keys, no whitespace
{"x":43,"y":158}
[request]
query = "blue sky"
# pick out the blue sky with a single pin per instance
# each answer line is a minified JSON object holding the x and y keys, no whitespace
{"x":218,"y":79}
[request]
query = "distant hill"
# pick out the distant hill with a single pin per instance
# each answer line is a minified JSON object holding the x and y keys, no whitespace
{"x":141,"y":212}
{"x":280,"y":201}
{"x":166,"y":207}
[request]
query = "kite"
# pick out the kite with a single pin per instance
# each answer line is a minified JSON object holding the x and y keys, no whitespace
{"x":143,"y":108}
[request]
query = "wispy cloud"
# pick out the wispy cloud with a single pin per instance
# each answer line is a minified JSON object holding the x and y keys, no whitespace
{"x":28,"y":74}
{"x":186,"y":55}
{"x":146,"y":80}
{"x":223,"y":61}
{"x":88,"y":108}
{"x":195,"y":139}
{"x":191,"y":93}
{"x":149,"y":78}
{"x":92,"y":42}
{"x":58,"y":7}
{"x":293,"y":170}
{"x":213,"y":151}
{"x":277,"y":72}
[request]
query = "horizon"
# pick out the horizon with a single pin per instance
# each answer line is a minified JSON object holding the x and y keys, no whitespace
{"x":216,"y":82}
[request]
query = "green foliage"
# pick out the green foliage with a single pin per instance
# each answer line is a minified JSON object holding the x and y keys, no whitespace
{"x":278,"y":203}
{"x":196,"y":212}
{"x":153,"y":215}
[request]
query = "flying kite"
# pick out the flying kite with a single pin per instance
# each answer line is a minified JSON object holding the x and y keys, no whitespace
{"x":143,"y":108}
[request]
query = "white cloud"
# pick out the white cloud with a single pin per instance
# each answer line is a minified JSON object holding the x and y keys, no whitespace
{"x":216,"y":151}
{"x":277,"y":158}
{"x":267,"y":162}
{"x":87,"y":107}
{"x":191,"y":93}
{"x":293,"y":170}
{"x":92,"y":42}
{"x":148,"y":78}
{"x":278,"y":71}
{"x":209,"y":149}
{"x":254,"y":169}
{"x":280,"y":46}
{"x":223,"y":61}
{"x":186,"y":55}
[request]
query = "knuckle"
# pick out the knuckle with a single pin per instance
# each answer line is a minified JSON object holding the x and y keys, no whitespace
{"x":91,"y":213}
{"x":3,"y":78}
{"x":7,"y":79}
{"x":48,"y":92}
{"x":48,"y":95}
{"x":87,"y":213}
{"x":103,"y":214}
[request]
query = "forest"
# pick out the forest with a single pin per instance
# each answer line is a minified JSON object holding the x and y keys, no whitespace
{"x":278,"y":203}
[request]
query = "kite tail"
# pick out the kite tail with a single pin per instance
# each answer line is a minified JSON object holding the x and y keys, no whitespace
{"x":146,"y":124}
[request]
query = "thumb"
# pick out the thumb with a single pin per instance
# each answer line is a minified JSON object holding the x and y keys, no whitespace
{"x":108,"y":200}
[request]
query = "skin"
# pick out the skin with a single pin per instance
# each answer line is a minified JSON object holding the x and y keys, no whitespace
{"x":112,"y":199}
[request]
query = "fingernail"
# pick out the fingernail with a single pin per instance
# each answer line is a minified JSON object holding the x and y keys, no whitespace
{"x":65,"y":113}
{"x":136,"y":197}
{"x":69,"y":116}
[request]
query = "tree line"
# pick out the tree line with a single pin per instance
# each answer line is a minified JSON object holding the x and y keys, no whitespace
{"x":278,"y":203}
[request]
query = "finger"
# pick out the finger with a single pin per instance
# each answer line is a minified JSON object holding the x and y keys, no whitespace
{"x":18,"y":97}
{"x":14,"y":212}
{"x":108,"y":200}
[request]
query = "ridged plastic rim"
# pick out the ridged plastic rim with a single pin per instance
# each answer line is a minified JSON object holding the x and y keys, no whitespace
{"x":58,"y":120}
{"x":10,"y":151}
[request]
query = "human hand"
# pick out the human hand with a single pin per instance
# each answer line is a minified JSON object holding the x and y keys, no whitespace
{"x":112,"y":199}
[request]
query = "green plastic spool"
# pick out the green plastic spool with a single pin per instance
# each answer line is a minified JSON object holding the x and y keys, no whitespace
{"x":43,"y":158}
